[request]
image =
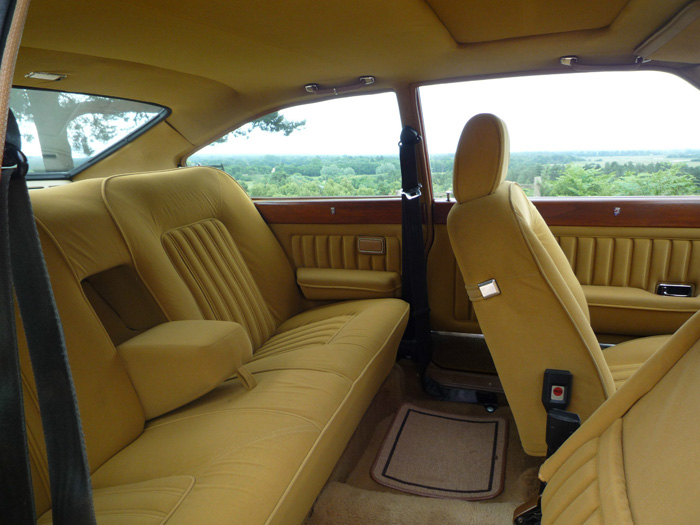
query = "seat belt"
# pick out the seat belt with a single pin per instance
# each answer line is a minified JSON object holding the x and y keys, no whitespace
{"x":414,"y":282}
{"x":23,"y":268}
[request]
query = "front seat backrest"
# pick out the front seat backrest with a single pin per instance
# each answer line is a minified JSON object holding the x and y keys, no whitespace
{"x":540,"y":318}
{"x":636,"y":460}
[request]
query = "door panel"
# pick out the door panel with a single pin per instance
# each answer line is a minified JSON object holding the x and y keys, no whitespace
{"x":619,"y":260}
{"x":450,"y":308}
{"x":343,"y":251}
{"x":324,"y":233}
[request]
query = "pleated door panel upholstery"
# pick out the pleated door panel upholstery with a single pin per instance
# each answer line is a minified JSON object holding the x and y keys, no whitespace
{"x":633,"y":258}
{"x":342,"y":252}
{"x":637,"y":262}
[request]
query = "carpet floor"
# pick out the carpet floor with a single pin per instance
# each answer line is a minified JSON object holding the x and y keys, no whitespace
{"x":351,"y":496}
{"x":443,"y":455}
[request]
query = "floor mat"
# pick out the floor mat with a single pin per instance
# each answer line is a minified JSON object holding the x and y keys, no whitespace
{"x":443,"y":455}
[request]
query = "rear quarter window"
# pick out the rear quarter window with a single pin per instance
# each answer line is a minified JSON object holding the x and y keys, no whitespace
{"x":63,"y":133}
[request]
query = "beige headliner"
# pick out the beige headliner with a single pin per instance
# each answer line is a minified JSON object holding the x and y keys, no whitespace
{"x":217,"y":64}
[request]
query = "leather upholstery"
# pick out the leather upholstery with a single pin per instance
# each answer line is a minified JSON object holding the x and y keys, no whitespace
{"x":639,"y":261}
{"x":482,"y":158}
{"x":627,"y":306}
{"x":636,"y":459}
{"x":336,"y":284}
{"x":540,"y":319}
{"x":185,"y":254}
{"x":341,"y":252}
{"x":233,"y":455}
{"x":175,"y":363}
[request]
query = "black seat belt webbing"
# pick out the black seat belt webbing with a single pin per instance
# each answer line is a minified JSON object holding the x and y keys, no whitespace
{"x":16,"y":495}
{"x":22,"y":265}
{"x":414,"y":281}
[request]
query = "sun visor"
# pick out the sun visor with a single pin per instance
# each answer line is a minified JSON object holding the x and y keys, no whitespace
{"x":678,"y":40}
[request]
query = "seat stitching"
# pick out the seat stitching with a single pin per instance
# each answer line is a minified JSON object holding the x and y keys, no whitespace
{"x":299,"y":339}
{"x":174,"y":491}
{"x":553,"y":518}
{"x":306,"y":368}
{"x":178,"y":248}
{"x":253,"y":306}
{"x":227,"y":411}
{"x":262,"y":308}
{"x":614,"y":369}
{"x":197,"y":235}
{"x":171,"y":240}
{"x":340,"y":328}
{"x":271,"y":435}
{"x":316,"y":325}
{"x":146,"y":513}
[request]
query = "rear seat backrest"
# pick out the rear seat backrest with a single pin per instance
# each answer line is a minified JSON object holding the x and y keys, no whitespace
{"x":203,"y":249}
{"x":79,"y":239}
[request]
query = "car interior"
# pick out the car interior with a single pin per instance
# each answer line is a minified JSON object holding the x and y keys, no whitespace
{"x":368,"y":262}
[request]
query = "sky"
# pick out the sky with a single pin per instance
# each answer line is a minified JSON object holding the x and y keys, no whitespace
{"x":584,"y":111}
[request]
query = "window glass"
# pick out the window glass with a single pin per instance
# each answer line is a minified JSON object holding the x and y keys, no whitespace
{"x":62,"y":132}
{"x":579,"y":134}
{"x":340,"y":147}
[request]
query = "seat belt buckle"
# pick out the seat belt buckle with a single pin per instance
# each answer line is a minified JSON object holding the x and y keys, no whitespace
{"x":556,"y":389}
{"x":560,"y":425}
{"x":413,"y":193}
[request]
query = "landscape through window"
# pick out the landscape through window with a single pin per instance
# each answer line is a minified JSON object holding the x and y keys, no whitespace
{"x":581,"y":134}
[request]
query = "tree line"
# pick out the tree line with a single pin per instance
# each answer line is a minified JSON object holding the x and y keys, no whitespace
{"x":574,"y":174}
{"x":559,"y":174}
{"x":311,"y":176}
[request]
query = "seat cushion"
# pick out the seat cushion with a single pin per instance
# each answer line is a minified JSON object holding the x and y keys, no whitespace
{"x":626,"y":358}
{"x":635,"y":460}
{"x":338,"y":338}
{"x":262,"y":456}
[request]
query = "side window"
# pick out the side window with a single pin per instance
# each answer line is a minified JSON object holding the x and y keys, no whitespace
{"x":578,"y":134}
{"x":335,"y":148}
{"x":65,"y":132}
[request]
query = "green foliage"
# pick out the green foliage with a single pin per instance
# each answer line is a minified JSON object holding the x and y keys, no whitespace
{"x":317,"y":176}
{"x":562,"y":174}
{"x":590,"y":174}
{"x":579,"y":181}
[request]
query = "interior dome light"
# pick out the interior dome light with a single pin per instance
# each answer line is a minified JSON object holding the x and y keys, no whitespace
{"x":43,"y":75}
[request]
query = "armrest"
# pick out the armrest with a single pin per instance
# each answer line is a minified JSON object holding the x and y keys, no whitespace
{"x":635,"y":312}
{"x":339,"y":284}
{"x":177,"y":362}
{"x":636,"y":298}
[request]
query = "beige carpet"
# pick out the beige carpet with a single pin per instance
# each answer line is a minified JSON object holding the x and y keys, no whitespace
{"x":443,"y":455}
{"x":352,"y":496}
{"x":342,"y":504}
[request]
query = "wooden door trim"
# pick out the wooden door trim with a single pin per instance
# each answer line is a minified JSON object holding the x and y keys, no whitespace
{"x":649,"y":212}
{"x":331,"y":211}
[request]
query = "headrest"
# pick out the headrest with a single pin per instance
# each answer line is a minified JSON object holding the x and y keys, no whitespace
{"x":481,"y":161}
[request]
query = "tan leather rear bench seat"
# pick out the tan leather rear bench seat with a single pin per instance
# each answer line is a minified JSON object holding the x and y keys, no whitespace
{"x":168,"y":283}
